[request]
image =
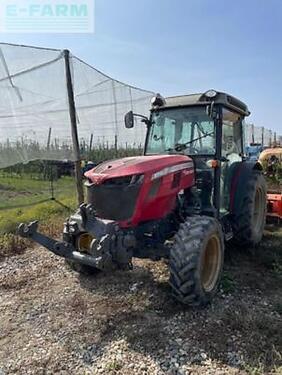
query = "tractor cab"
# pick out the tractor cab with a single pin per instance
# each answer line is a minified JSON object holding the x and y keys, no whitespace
{"x":206,"y":127}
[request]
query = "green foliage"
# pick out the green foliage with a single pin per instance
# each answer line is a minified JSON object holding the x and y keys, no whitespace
{"x":274,"y":179}
{"x":102,"y":153}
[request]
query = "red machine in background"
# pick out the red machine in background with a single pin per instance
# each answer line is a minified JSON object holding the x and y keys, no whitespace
{"x":274,"y":205}
{"x":271,"y":161}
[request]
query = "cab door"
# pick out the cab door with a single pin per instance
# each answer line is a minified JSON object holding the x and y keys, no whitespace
{"x":232,"y":151}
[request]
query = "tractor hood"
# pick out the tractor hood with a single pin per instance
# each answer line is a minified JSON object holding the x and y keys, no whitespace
{"x":138,"y":165}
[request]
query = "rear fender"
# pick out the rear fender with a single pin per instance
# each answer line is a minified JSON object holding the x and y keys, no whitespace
{"x":238,"y":174}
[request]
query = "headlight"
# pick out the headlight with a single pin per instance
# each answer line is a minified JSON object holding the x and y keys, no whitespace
{"x":125,"y":180}
{"x":137,"y":179}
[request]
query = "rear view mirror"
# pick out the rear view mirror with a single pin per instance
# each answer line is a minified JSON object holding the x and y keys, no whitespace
{"x":129,"y":120}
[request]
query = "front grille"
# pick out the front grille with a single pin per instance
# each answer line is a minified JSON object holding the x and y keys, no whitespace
{"x":115,"y":199}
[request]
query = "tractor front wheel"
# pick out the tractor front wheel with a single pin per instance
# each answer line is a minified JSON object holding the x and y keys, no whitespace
{"x":196,"y":260}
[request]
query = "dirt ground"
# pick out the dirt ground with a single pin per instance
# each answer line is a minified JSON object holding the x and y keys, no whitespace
{"x":54,"y":321}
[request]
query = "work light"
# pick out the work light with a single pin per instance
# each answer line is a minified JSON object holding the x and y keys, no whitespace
{"x":211,"y":94}
{"x":157,"y":101}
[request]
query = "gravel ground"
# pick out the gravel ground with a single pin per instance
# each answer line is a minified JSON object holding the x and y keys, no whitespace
{"x":54,"y":321}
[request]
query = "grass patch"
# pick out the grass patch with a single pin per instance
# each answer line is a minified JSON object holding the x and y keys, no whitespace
{"x":24,"y":191}
{"x":259,"y":368}
{"x":11,"y":245}
{"x":25,"y":194}
{"x":269,"y":253}
{"x":10,"y":219}
{"x":50,"y":213}
{"x":15,"y":191}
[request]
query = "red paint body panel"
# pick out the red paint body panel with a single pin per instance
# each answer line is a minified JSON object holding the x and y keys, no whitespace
{"x":133,"y":165}
{"x":274,"y":205}
{"x":164,"y":167}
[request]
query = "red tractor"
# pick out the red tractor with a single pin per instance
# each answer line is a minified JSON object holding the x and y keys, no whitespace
{"x":189,"y":194}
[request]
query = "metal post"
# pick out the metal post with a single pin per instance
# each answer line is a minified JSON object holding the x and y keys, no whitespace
{"x":72,"y":113}
{"x":116,"y":146}
{"x":91,"y":142}
{"x":49,"y":139}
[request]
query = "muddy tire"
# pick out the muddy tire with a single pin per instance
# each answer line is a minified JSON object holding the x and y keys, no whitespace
{"x":250,"y":211}
{"x":196,"y":261}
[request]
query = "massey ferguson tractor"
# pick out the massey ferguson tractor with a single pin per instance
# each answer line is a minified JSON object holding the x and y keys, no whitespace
{"x":189,"y":194}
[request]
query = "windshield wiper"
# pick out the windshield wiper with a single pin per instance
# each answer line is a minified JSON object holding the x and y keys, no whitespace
{"x":182,"y":146}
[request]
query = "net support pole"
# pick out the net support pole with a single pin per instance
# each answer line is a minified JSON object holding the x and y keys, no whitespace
{"x":75,"y":141}
{"x":91,"y":142}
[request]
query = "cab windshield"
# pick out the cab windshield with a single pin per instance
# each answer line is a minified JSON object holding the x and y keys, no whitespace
{"x":187,"y":130}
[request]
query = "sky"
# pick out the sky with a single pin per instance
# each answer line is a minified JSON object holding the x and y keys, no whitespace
{"x":183,"y":46}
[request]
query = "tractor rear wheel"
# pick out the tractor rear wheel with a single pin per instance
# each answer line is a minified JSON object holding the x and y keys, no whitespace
{"x":196,"y":260}
{"x":250,"y":211}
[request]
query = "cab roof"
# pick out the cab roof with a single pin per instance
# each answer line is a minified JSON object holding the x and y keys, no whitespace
{"x":227,"y":100}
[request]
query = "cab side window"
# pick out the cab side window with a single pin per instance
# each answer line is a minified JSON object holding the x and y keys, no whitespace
{"x":231,"y":150}
{"x":162,"y":137}
{"x":231,"y":134}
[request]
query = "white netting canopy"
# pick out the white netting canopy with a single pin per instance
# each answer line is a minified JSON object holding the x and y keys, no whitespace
{"x":34,"y":108}
{"x":258,"y":134}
